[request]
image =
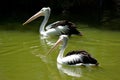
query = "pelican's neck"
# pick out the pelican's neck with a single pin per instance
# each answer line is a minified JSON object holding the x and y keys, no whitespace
{"x":42,"y":27}
{"x":60,"y":56}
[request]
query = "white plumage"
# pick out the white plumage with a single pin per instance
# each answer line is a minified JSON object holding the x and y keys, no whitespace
{"x":70,"y":58}
{"x":75,"y":58}
{"x":56,"y":28}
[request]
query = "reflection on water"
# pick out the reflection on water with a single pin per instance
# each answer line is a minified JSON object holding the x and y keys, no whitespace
{"x":76,"y":71}
{"x":47,"y":41}
{"x":23,"y":56}
{"x":70,"y":70}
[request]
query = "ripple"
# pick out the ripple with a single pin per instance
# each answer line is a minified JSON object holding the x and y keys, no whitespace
{"x":26,"y":50}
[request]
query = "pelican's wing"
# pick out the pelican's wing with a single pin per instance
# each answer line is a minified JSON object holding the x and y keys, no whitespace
{"x":72,"y":59}
{"x":71,"y":27}
{"x":76,"y":57}
{"x":51,"y":25}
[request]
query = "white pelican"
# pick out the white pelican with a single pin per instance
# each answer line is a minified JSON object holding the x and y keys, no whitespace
{"x":56,"y":28}
{"x":75,"y":58}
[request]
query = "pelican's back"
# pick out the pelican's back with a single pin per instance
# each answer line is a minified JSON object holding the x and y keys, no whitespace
{"x":69,"y":31}
{"x":80,"y":57}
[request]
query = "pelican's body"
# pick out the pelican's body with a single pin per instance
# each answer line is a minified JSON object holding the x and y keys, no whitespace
{"x":78,"y":58}
{"x":75,"y":58}
{"x":56,"y":28}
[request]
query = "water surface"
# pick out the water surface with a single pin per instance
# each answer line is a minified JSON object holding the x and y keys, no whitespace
{"x":23,"y":56}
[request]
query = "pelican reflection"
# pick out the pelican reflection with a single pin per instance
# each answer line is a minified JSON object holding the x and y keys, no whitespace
{"x":70,"y":70}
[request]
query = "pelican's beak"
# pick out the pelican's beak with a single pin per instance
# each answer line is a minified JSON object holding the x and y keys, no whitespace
{"x":55,"y":45}
{"x":38,"y":14}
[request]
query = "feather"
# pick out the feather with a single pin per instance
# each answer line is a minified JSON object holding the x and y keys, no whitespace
{"x":76,"y":57}
{"x":71,"y":27}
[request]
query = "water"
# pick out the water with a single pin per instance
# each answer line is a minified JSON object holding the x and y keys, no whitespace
{"x":23,"y":56}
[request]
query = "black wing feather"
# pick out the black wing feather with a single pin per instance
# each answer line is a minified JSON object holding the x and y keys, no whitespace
{"x":72,"y":27}
{"x":85,"y":58}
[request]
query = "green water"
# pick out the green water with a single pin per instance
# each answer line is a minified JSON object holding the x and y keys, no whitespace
{"x":22,"y":56}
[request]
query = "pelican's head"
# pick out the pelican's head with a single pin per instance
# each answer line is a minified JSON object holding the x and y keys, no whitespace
{"x":43,"y":12}
{"x":62,"y":39}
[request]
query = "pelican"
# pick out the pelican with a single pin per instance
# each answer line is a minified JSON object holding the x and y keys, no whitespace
{"x":56,"y":28}
{"x":74,"y":58}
